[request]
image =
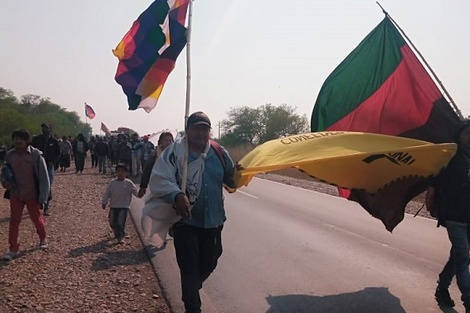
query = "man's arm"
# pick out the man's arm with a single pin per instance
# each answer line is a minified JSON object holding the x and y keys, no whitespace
{"x":229,"y":170}
{"x":56,"y":150}
{"x":44,"y":183}
{"x":144,"y":181}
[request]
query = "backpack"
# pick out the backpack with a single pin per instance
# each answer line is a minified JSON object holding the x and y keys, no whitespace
{"x":218,"y":150}
{"x":230,"y":186}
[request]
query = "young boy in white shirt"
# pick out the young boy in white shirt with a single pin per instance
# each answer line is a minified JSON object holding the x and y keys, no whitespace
{"x":119,"y":195}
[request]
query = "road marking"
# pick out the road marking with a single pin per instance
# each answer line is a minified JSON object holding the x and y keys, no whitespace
{"x":247,"y":194}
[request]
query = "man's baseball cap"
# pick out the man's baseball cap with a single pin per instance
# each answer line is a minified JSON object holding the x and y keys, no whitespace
{"x":198,"y":118}
{"x":46,"y":125}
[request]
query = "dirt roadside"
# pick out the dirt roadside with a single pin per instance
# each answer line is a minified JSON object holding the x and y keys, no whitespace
{"x":83,"y":270}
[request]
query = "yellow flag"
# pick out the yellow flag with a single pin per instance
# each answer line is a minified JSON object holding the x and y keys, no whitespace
{"x":348,"y":159}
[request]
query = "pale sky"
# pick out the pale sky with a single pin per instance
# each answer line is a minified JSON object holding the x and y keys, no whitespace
{"x":244,"y":52}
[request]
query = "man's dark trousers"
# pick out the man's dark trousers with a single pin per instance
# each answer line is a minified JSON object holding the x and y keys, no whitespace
{"x":197,"y":252}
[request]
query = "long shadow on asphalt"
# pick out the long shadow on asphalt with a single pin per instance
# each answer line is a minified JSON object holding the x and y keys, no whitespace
{"x":369,"y":300}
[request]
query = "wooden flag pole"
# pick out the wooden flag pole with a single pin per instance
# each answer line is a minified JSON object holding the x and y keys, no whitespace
{"x":188,"y":94}
{"x":456,"y":109}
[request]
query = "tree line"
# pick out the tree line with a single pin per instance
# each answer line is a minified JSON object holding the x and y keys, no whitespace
{"x":30,"y":111}
{"x":244,"y":125}
{"x":253,"y":126}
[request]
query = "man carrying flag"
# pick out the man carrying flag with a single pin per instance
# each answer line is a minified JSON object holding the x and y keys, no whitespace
{"x":197,"y":237}
{"x":382,"y":87}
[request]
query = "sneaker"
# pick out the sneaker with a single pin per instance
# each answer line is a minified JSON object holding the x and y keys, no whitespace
{"x":120,"y":240}
{"x":443,"y":297}
{"x":47,"y":213}
{"x":10,"y":255}
{"x":43,"y":245}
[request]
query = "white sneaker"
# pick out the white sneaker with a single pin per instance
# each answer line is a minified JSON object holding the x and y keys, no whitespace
{"x":10,"y":255}
{"x":43,"y":245}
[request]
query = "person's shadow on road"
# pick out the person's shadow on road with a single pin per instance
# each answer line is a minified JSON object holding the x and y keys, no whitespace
{"x":368,"y":300}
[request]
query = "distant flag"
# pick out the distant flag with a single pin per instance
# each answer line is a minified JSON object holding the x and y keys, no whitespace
{"x":147,"y":54}
{"x":105,"y":129}
{"x":89,"y":112}
{"x":124,"y":130}
{"x":381,"y":87}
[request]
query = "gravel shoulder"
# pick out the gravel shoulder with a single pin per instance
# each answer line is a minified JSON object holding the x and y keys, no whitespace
{"x":83,"y":270}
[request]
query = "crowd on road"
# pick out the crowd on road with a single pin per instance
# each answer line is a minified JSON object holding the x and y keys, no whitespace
{"x":198,"y":202}
{"x":28,"y":175}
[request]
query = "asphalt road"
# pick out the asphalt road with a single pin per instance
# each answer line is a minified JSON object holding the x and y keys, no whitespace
{"x":287,"y":249}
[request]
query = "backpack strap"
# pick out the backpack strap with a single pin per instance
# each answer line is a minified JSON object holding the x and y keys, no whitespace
{"x":218,"y":149}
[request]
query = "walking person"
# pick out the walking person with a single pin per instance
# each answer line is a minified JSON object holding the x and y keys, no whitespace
{"x":197,"y":237}
{"x":25,"y":176}
{"x":119,"y":195}
{"x":452,"y":188}
{"x":79,"y":147}
{"x":91,"y":148}
{"x":125,"y":151}
{"x":65,"y":154}
{"x":49,"y":146}
{"x":136,"y":165}
{"x":165,"y":139}
{"x":146,"y":148}
{"x":101,"y":150}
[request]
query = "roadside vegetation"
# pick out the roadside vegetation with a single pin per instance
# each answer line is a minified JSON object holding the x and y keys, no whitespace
{"x":29,"y":111}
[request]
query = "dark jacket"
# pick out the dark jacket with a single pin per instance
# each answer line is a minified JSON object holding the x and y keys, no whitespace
{"x":74,"y":146}
{"x":454,"y":188}
{"x":125,"y":151}
{"x":49,"y":146}
{"x":101,"y":148}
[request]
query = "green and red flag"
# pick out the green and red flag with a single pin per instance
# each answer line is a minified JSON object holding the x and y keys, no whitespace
{"x":381,"y":87}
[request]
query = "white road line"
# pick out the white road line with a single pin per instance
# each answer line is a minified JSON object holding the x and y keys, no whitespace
{"x":246,"y":194}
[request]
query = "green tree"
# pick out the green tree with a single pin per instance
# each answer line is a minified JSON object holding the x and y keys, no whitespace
{"x":281,"y":121}
{"x":257,"y":125}
{"x":30,"y":111}
{"x":242,"y":125}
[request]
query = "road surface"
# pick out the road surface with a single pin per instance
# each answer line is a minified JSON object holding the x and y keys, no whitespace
{"x":288,"y":249}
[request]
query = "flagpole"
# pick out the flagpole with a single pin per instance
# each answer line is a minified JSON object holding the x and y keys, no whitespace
{"x":188,"y":94}
{"x":456,"y":109}
{"x":86,"y":117}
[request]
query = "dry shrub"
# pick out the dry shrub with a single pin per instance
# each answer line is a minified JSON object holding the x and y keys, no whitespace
{"x":239,"y":151}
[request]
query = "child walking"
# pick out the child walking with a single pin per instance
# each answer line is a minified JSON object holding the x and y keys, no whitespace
{"x":119,"y":195}
{"x":25,"y":177}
